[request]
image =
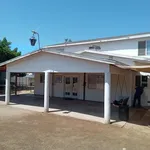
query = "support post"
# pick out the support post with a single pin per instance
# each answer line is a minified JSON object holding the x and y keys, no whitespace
{"x":15,"y":84}
{"x":46,"y":92}
{"x":130,"y":88}
{"x":107,"y":97}
{"x":7,"y":88}
{"x":84,"y":85}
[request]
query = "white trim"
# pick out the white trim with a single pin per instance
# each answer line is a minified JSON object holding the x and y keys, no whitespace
{"x":144,"y":73}
{"x":101,"y":40}
{"x":136,"y":58}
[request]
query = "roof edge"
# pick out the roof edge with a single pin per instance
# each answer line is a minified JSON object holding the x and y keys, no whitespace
{"x":62,"y":54}
{"x":101,"y":40}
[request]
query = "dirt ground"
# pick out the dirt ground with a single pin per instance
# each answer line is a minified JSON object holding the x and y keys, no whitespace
{"x":24,"y":130}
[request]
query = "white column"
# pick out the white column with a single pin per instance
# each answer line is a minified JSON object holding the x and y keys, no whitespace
{"x":7,"y":88}
{"x":46,"y":92}
{"x":51,"y":84}
{"x":107,"y":98}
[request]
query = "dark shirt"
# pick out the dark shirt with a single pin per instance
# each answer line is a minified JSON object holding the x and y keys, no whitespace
{"x":139,"y":91}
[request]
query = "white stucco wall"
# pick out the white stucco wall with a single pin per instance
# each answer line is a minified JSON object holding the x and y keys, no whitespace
{"x":38,"y":87}
{"x":58,"y":88}
{"x":91,"y":94}
{"x":44,"y":61}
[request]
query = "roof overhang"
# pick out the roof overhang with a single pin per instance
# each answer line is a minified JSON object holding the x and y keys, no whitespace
{"x":137,"y":68}
{"x":101,"y":40}
{"x":56,"y":53}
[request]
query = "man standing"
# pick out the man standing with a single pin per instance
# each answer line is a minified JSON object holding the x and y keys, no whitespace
{"x":137,"y":95}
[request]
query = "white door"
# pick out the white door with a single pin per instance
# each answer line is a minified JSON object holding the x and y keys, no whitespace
{"x":71,"y":87}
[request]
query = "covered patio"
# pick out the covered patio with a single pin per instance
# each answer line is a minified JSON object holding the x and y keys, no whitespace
{"x":51,"y":62}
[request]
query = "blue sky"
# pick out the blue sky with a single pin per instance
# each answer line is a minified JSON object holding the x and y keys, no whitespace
{"x":56,"y":20}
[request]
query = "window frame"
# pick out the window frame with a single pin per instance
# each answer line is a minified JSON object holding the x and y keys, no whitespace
{"x":141,"y":81}
{"x":97,"y":83}
{"x":58,"y":79}
{"x":147,"y":47}
{"x":42,"y":78}
{"x":139,"y":48}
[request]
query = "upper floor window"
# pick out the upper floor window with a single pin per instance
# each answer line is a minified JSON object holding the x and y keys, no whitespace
{"x":143,"y":48}
{"x":148,"y":47}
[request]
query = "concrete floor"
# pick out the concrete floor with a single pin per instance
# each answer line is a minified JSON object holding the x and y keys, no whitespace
{"x":28,"y":130}
{"x":86,"y":110}
{"x":74,"y":108}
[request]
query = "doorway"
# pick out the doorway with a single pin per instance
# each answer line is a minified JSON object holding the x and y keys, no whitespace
{"x":71,"y":84}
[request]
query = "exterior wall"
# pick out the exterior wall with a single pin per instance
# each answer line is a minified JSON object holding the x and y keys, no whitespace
{"x":38,"y":87}
{"x":117,"y":86}
{"x":124,"y":47}
{"x":58,"y":88}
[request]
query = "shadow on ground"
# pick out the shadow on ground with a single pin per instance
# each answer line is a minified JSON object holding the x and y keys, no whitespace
{"x":137,"y":116}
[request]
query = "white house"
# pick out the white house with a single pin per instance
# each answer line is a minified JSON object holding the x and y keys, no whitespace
{"x":97,"y":70}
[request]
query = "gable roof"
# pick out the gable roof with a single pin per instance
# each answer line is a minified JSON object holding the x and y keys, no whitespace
{"x":72,"y":55}
{"x":101,"y":40}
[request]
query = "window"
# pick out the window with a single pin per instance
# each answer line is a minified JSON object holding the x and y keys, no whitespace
{"x":75,"y":80}
{"x":148,"y":47}
{"x":67,"y":80}
{"x":95,"y":81}
{"x":41,"y":78}
{"x":141,"y":48}
{"x":144,"y":81}
{"x":58,"y":79}
{"x":141,"y":81}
